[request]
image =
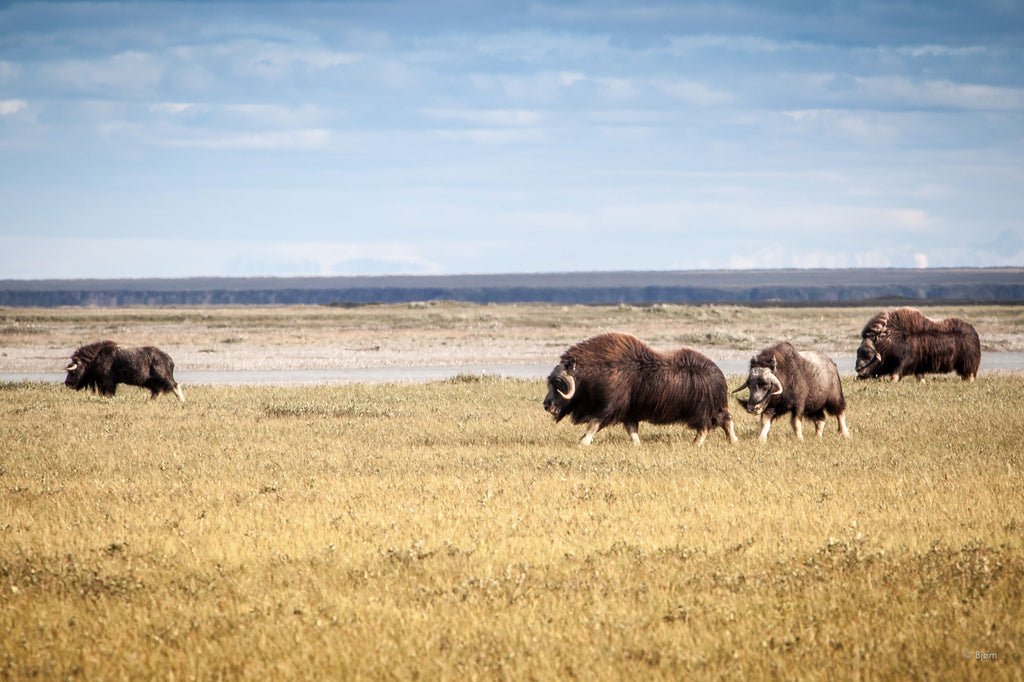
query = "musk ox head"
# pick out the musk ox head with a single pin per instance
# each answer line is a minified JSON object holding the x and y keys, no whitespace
{"x":868,"y":359}
{"x":80,"y":371}
{"x":76,"y":375}
{"x":561,"y":391}
{"x":762,"y":383}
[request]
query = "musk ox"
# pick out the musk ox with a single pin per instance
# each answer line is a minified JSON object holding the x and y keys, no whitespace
{"x":618,"y":379}
{"x":784,"y":380}
{"x":103,"y":365}
{"x":902,"y":342}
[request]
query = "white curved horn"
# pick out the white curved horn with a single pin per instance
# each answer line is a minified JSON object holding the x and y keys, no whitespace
{"x":776,"y":384}
{"x":72,"y":367}
{"x":572,"y":388}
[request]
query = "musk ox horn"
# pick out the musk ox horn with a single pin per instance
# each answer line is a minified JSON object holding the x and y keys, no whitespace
{"x":776,"y":384}
{"x":72,"y":367}
{"x":572,"y":388}
{"x":737,"y":390}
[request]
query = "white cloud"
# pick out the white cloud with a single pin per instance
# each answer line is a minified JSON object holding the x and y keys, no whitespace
{"x":9,"y":107}
{"x":130,"y":71}
{"x":940,"y":93}
{"x":177,"y":108}
{"x":295,"y":140}
{"x":693,"y":92}
{"x":494,"y":136}
{"x":9,"y":70}
{"x":68,"y":258}
{"x":570,"y":77}
{"x":542,"y":86}
{"x":493,"y":117}
{"x":274,"y":60}
{"x":938,"y":50}
{"x":275,"y":115}
{"x":617,"y":88}
{"x":735,"y":43}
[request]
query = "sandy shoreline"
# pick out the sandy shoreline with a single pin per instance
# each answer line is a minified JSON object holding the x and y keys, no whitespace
{"x":389,"y":338}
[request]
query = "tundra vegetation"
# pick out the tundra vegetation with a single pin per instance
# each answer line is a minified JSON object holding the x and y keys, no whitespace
{"x":453,"y":530}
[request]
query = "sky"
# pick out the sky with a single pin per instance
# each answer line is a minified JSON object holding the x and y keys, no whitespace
{"x":251,"y":138}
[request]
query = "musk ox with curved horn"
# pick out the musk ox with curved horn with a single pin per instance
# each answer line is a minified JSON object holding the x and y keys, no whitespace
{"x":616,"y":378}
{"x":103,"y":365}
{"x":784,"y":380}
{"x":902,"y":342}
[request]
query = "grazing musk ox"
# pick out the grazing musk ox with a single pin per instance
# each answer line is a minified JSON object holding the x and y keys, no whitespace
{"x":902,"y":342}
{"x":782,"y":379}
{"x":618,"y":379}
{"x":103,"y":365}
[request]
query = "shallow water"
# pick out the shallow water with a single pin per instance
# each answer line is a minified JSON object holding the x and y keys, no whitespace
{"x":991,"y":363}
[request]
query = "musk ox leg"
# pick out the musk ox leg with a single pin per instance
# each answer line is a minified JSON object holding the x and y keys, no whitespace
{"x":766,"y":425}
{"x":819,"y":418}
{"x":593,"y":426}
{"x":819,"y":426}
{"x":702,"y":433}
{"x":632,"y":428}
{"x":798,"y":427}
{"x":730,"y":432}
{"x":177,"y":392}
{"x":843,"y":430}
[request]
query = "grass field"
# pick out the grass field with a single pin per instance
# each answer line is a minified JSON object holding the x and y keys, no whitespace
{"x":453,"y":531}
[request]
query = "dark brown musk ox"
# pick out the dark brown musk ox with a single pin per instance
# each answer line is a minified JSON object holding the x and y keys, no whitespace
{"x":903,"y":342}
{"x":103,"y":365}
{"x":616,"y":378}
{"x":783,"y":380}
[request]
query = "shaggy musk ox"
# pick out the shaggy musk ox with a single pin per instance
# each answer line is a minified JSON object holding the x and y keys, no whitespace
{"x":102,"y":366}
{"x":902,"y":342}
{"x":618,"y":379}
{"x":782,"y":379}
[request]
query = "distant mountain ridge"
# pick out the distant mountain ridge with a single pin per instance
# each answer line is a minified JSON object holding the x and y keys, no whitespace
{"x":820,"y":286}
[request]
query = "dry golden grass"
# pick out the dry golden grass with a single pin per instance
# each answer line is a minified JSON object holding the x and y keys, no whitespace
{"x":452,"y":531}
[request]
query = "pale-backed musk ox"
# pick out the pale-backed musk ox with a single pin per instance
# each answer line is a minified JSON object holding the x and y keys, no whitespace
{"x":618,"y":379}
{"x":784,"y":380}
{"x":103,"y":365}
{"x":902,"y":342}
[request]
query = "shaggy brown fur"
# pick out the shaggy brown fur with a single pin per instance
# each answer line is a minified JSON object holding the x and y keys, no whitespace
{"x":784,"y":380}
{"x":103,"y":365}
{"x":618,"y":379}
{"x":904,"y":342}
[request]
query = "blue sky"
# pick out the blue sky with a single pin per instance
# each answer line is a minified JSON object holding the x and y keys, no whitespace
{"x":329,"y":138}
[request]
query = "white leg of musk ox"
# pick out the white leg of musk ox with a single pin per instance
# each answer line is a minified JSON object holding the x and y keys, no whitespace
{"x":766,"y":425}
{"x":819,"y":427}
{"x":701,"y":435}
{"x":178,"y":392}
{"x":798,"y":427}
{"x":633,"y":428}
{"x":592,"y":427}
{"x":843,"y":430}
